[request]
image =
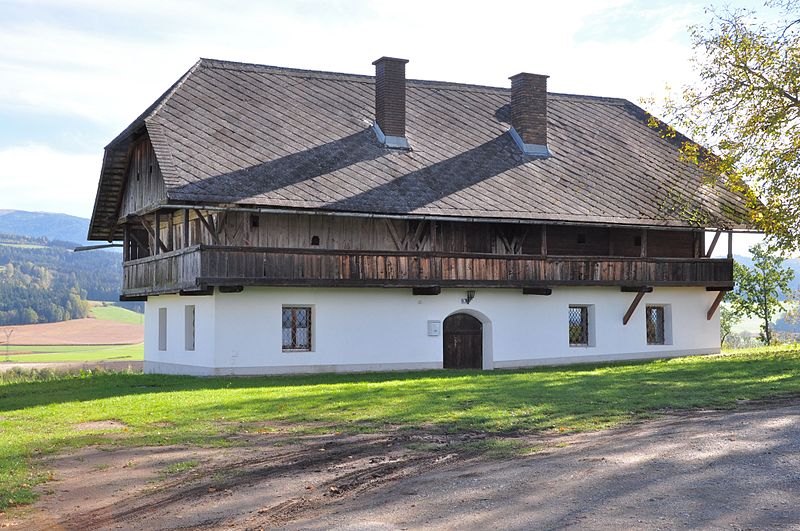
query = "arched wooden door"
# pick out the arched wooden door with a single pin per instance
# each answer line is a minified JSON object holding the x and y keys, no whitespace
{"x":463,"y":342}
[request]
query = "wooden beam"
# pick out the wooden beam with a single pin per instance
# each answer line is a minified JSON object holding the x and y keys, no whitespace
{"x":393,"y":233}
{"x":636,"y":289}
{"x":209,"y":227}
{"x":231,"y":289}
{"x":632,"y":308}
{"x":730,"y":245}
{"x":126,"y":243}
{"x":643,"y":252}
{"x":544,"y":240}
{"x":715,"y":305}
{"x":537,"y":291}
{"x":149,"y":229}
{"x":133,"y":298}
{"x":713,"y":244}
{"x":158,"y":232}
{"x":196,"y":292}
{"x":719,"y":288}
{"x":171,"y":232}
{"x":186,"y":227}
{"x":426,"y":290}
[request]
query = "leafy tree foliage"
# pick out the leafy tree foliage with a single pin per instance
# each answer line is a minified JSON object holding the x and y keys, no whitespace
{"x":728,"y":318}
{"x":760,"y":290}
{"x":44,"y":281}
{"x":746,"y":108}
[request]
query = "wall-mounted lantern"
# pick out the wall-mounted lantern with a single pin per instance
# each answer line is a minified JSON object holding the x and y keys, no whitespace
{"x":469,"y":297}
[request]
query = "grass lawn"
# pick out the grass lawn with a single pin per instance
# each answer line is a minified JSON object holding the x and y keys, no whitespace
{"x":116,"y":313}
{"x":40,"y":417}
{"x":42,"y":353}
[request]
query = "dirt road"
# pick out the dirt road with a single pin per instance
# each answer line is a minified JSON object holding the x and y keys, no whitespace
{"x":714,"y":470}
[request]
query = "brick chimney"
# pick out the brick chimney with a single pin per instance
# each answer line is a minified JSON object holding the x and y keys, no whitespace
{"x":390,"y":102}
{"x":529,"y":113}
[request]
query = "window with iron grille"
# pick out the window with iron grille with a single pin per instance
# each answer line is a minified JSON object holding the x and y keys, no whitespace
{"x":296,"y":328}
{"x":578,"y":326}
{"x":655,"y":325}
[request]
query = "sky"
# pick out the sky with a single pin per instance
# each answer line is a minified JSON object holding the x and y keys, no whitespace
{"x":74,"y":73}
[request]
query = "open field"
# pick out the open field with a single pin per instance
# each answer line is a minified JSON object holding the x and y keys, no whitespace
{"x":39,"y":418}
{"x":76,"y":332}
{"x":70,"y":353}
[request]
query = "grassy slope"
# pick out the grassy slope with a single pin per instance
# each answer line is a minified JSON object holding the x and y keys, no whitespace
{"x":116,"y":313}
{"x":39,"y":417}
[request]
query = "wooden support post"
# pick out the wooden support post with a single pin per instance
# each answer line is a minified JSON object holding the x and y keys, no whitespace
{"x":157,"y":232}
{"x":544,"y":240}
{"x":171,"y":231}
{"x":433,"y":236}
{"x":634,"y":304}
{"x":713,"y":244}
{"x":730,"y":245}
{"x":208,"y":225}
{"x":643,"y":252}
{"x":186,"y":227}
{"x":715,"y":305}
{"x":126,"y":243}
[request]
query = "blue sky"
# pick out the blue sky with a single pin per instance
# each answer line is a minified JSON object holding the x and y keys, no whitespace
{"x":76,"y":72}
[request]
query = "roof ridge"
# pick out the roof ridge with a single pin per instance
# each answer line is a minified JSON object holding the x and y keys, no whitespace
{"x":445,"y":85}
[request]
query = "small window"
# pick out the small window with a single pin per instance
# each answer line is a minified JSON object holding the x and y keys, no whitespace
{"x":162,"y":329}
{"x":579,"y":326}
{"x":189,"y":327}
{"x":655,"y":316}
{"x":296,"y":328}
{"x":315,"y":240}
{"x":581,"y":238}
{"x":254,"y":221}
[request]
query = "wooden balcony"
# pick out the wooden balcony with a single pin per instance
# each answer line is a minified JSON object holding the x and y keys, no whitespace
{"x":196,"y":268}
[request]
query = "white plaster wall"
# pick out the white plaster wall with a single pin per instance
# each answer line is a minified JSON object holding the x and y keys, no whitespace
{"x":176,"y":357}
{"x":375,"y":329}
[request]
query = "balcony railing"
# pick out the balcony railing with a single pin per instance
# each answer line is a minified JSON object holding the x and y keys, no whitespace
{"x":198,"y":267}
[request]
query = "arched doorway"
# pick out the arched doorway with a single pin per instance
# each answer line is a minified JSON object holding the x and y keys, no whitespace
{"x":463,"y":342}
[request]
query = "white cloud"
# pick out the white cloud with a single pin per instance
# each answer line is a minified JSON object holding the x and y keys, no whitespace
{"x":110,"y":71}
{"x":36,"y":177}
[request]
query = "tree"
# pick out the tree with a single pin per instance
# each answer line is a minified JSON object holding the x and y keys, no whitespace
{"x":745,"y":107}
{"x":759,"y":289}
{"x":728,"y":318}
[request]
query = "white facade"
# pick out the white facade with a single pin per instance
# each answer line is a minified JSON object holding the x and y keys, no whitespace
{"x":388,"y":329}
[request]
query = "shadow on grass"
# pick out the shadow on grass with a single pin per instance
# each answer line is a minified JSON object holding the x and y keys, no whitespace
{"x":576,"y":397}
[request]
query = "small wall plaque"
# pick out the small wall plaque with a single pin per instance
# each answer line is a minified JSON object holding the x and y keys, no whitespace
{"x":434,"y":328}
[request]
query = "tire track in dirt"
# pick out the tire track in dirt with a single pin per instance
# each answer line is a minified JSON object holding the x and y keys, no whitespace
{"x":144,"y":509}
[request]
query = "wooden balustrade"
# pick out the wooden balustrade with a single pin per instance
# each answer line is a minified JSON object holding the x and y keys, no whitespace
{"x":198,"y":267}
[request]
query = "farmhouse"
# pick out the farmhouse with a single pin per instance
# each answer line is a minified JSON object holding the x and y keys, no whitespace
{"x":280,"y":220}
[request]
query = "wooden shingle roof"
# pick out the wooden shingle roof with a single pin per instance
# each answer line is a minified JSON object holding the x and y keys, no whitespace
{"x":254,"y":135}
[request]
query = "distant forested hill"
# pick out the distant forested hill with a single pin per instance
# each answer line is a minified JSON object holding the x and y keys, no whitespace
{"x":43,"y":280}
{"x":44,"y":224}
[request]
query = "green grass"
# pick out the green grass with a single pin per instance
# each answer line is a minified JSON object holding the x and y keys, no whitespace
{"x":181,"y":466}
{"x":116,"y":313}
{"x":64,"y":353}
{"x":39,"y":417}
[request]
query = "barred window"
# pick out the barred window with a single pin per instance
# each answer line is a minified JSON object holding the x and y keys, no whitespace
{"x":578,"y":326}
{"x":655,"y":325}
{"x":296,"y":328}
